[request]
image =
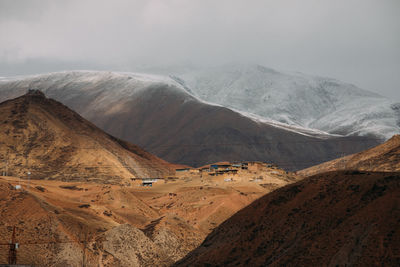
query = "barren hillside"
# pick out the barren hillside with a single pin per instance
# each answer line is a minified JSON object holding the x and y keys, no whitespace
{"x":385,"y":157}
{"x":120,"y":225}
{"x":51,"y":141}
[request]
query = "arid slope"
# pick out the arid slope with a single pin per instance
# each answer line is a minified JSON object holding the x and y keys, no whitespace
{"x":385,"y":157}
{"x":51,"y":141}
{"x":121,"y":225}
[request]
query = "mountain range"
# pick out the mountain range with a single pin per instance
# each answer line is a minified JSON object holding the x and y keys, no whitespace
{"x":161,"y":115}
{"x":82,"y":207}
{"x":294,"y":98}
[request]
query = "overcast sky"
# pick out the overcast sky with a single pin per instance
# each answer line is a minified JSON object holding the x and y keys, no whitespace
{"x":357,"y":41}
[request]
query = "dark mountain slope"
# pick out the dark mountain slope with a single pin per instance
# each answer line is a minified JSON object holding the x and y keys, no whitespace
{"x":332,"y":219}
{"x":190,"y":132}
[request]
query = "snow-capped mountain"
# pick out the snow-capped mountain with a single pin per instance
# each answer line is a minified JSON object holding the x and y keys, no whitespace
{"x":296,"y":99}
{"x":162,"y":116}
{"x":114,"y":89}
{"x":104,"y":89}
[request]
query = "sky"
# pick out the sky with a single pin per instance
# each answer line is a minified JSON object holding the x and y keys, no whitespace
{"x":356,"y":41}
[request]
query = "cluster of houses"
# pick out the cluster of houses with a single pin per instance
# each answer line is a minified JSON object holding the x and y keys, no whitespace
{"x":226,"y":168}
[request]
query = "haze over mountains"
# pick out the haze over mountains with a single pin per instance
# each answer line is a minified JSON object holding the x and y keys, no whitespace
{"x":161,"y":115}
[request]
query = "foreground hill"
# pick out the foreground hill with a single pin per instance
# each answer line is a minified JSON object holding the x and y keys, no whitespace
{"x":294,"y":98}
{"x":51,"y":141}
{"x":385,"y":157}
{"x":160,"y":115}
{"x":332,"y":219}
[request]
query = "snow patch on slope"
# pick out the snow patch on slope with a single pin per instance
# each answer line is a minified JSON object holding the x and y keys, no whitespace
{"x":292,"y":128}
{"x":296,"y":99}
{"x":112,"y":92}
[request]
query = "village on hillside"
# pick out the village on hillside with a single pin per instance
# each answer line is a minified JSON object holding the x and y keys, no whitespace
{"x":225,"y":172}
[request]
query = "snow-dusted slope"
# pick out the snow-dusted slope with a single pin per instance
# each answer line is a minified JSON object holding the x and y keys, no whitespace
{"x":106,"y":90}
{"x":162,"y":116}
{"x":313,"y":102}
{"x":112,"y":90}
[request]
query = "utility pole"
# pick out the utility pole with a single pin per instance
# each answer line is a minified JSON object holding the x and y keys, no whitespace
{"x":84,"y":254}
{"x":343,"y":160}
{"x":85,"y":238}
{"x":5,"y":167}
{"x":28,"y":172}
{"x":29,"y":179}
{"x":12,"y":252}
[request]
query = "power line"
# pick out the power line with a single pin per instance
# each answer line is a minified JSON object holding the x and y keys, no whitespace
{"x":41,"y":242}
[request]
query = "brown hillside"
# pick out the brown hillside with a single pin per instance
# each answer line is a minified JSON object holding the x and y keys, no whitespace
{"x":54,"y":220}
{"x":123,"y":225}
{"x":51,"y":141}
{"x":385,"y":157}
{"x":332,"y":219}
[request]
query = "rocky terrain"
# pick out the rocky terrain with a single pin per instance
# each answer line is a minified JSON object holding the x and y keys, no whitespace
{"x":163,"y":117}
{"x":345,"y":218}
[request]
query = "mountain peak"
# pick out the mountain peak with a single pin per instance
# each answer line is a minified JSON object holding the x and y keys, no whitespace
{"x":52,"y":141}
{"x":395,"y":139}
{"x":35,"y":92}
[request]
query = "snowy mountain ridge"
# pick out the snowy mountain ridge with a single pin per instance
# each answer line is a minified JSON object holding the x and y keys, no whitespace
{"x":116,"y":87}
{"x":296,"y":99}
{"x":120,"y":87}
{"x":301,"y":103}
{"x":162,"y":116}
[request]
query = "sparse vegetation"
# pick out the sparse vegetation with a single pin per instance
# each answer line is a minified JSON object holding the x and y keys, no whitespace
{"x":71,"y":187}
{"x":40,"y":188}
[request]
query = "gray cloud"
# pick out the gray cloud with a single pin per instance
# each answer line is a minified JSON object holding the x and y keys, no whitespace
{"x":353,"y":40}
